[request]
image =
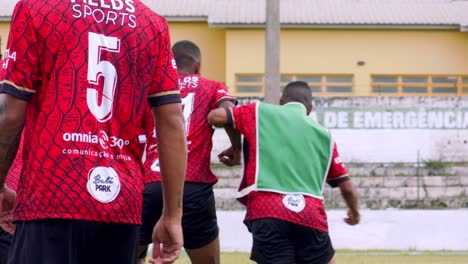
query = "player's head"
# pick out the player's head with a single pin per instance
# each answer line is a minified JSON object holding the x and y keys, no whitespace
{"x":187,"y":56}
{"x":298,"y":92}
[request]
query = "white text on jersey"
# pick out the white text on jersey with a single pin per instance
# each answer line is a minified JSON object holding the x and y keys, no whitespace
{"x":189,"y":82}
{"x":117,"y":12}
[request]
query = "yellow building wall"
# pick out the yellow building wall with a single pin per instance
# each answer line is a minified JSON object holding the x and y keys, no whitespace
{"x":226,"y":52}
{"x":4,"y":31}
{"x":212,"y":43}
{"x":338,"y":51}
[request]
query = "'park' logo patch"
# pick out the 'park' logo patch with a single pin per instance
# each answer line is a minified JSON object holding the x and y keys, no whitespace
{"x":103,"y":184}
{"x":294,"y":202}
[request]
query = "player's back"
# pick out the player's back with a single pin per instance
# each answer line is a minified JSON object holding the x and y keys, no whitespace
{"x":199,"y":97}
{"x":292,"y":144}
{"x":90,"y":67}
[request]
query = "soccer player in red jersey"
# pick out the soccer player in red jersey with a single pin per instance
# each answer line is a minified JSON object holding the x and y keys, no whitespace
{"x":288,"y":157}
{"x":199,"y":223}
{"x":78,"y":75}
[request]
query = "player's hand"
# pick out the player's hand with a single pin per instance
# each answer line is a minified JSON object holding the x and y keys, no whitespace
{"x":230,"y":157}
{"x":168,"y":240}
{"x":353,"y":218}
{"x":6,"y":222}
{"x":7,"y":204}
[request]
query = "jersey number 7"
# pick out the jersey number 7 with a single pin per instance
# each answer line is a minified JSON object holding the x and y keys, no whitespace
{"x":187,"y":106}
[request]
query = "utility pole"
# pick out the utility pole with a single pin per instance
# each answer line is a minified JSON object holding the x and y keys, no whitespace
{"x":272,"y":52}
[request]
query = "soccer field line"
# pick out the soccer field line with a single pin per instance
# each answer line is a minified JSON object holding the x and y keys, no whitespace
{"x":402,"y":253}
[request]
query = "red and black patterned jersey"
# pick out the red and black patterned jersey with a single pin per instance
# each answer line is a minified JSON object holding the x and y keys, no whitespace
{"x":88,"y":70}
{"x":149,"y":148}
{"x":199,"y":97}
{"x":269,"y":204}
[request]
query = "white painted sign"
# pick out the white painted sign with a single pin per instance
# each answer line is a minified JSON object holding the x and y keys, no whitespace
{"x":358,"y":118}
{"x":389,"y":129}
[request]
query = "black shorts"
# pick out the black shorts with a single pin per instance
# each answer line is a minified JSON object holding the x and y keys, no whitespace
{"x":199,"y":222}
{"x":280,"y":242}
{"x":5,"y":243}
{"x":73,"y":242}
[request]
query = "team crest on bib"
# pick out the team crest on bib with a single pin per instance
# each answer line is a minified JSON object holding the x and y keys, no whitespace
{"x":103,"y":184}
{"x":294,"y":202}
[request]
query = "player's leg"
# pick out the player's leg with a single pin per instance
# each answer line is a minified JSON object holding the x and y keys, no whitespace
{"x":142,"y":253}
{"x":208,"y":254}
{"x":200,"y":224}
{"x":312,"y":246}
{"x":152,"y":210}
{"x":5,"y":243}
{"x":271,"y":241}
{"x":51,"y":242}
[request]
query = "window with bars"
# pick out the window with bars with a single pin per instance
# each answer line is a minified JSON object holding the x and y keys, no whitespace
{"x":320,"y":84}
{"x":413,"y":85}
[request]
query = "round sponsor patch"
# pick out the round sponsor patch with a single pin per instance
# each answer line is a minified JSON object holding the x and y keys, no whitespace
{"x":103,"y":184}
{"x":294,"y":202}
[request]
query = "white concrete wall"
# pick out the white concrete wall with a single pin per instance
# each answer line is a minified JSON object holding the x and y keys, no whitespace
{"x":390,"y":140}
{"x":381,"y":230}
{"x":401,"y":145}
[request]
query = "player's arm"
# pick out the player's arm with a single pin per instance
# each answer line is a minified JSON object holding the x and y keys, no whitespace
{"x":233,"y":134}
{"x":338,"y":177}
{"x":18,"y":80}
{"x":223,"y":117}
{"x":19,"y":75}
{"x":349,"y":194}
{"x":351,"y":198}
{"x":231,"y":156}
{"x":220,"y":117}
{"x":240,"y":118}
{"x":165,"y":100}
{"x":172,"y":149}
{"x":12,"y":116}
{"x":172,"y":156}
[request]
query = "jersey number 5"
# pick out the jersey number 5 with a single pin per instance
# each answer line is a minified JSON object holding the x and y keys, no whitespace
{"x":101,"y":108}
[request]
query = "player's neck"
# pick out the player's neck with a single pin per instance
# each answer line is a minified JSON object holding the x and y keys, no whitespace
{"x":182,"y":72}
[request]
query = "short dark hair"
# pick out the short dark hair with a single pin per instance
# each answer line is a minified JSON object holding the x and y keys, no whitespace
{"x":186,"y":53}
{"x":297,"y":91}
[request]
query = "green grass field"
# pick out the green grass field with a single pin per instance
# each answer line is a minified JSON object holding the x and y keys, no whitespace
{"x":366,"y":257}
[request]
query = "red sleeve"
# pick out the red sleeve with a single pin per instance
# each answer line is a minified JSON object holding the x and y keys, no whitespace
{"x":165,"y":87}
{"x":221,"y":95}
{"x":337,"y":172}
{"x":20,"y":76}
{"x":244,"y":118}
